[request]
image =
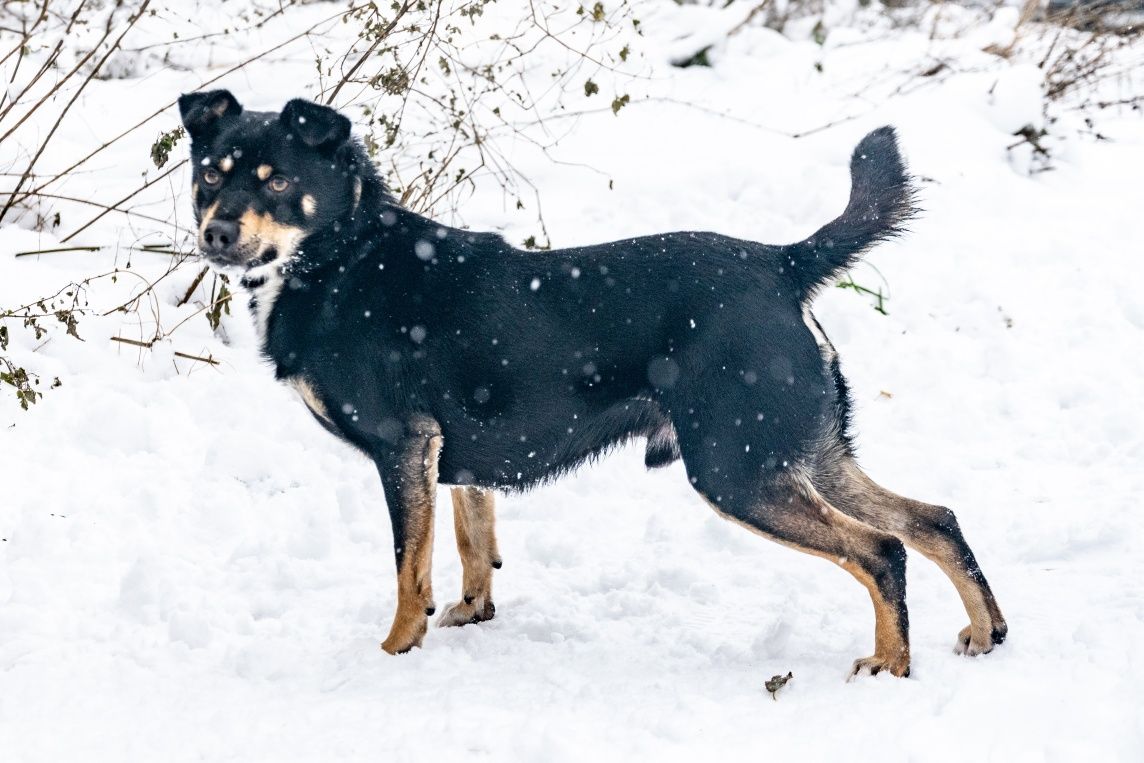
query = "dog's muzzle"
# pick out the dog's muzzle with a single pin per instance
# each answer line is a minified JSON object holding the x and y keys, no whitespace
{"x":219,"y":242}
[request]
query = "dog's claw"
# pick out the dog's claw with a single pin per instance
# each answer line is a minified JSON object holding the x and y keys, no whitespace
{"x":466,"y":612}
{"x":898,"y":666}
{"x":971,"y":646}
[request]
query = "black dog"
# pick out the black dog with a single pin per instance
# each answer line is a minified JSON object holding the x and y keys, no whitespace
{"x":450,"y":356}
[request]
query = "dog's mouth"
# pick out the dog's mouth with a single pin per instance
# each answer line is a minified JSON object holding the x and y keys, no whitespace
{"x":242,"y":258}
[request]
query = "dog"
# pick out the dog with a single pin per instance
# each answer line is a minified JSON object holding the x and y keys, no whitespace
{"x":450,"y":357}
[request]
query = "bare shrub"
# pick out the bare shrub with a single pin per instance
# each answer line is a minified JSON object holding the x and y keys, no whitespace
{"x":403,"y":59}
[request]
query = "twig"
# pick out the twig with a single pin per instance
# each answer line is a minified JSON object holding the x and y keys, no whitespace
{"x":191,"y":289}
{"x":128,"y":197}
{"x":381,"y":37}
{"x":207,"y":359}
{"x":134,"y":342}
{"x":46,"y":67}
{"x":65,"y":172}
{"x":91,"y":203}
{"x":32,"y":252}
{"x":71,"y":102}
{"x":750,"y":17}
{"x":200,"y":37}
{"x":150,"y":345}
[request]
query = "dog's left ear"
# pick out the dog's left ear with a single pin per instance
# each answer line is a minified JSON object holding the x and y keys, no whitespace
{"x":202,"y":112}
{"x":317,"y":126}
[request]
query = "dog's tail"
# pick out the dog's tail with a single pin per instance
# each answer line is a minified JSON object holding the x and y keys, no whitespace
{"x":881,"y":203}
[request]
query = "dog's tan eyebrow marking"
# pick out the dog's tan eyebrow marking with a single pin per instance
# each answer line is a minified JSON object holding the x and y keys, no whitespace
{"x":226,"y":164}
{"x":309,"y":205}
{"x":264,"y":171}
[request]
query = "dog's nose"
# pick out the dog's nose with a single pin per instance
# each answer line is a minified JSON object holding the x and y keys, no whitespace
{"x":219,"y":236}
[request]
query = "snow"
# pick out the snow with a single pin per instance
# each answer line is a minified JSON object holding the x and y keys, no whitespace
{"x":191,"y":568}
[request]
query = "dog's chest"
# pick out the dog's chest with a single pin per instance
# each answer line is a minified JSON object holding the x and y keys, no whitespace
{"x":264,"y":286}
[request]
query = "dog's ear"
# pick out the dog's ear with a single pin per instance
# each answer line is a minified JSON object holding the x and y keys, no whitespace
{"x":203,"y":112}
{"x":317,"y":126}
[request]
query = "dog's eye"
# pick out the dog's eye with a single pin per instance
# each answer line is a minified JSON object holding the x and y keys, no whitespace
{"x":211,"y":176}
{"x":278,"y":184}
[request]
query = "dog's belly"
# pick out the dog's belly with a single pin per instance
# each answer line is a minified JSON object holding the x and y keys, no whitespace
{"x":518,"y":451}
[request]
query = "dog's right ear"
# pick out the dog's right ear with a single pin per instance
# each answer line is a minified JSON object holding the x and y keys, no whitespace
{"x":317,"y":126}
{"x":203,"y":112}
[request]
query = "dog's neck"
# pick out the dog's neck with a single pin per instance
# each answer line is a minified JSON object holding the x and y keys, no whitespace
{"x":294,"y":269}
{"x":264,"y":281}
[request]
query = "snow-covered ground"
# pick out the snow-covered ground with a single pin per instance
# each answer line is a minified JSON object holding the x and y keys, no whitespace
{"x":191,"y":569}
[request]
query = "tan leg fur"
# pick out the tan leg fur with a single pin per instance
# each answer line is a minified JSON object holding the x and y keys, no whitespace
{"x":474,"y":520}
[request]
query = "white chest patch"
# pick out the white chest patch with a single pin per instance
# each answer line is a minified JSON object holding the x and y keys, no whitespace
{"x":265,"y":283}
{"x":266,"y":280}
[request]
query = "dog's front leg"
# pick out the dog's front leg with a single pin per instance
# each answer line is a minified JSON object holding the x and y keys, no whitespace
{"x":474,"y":520}
{"x":409,"y":477}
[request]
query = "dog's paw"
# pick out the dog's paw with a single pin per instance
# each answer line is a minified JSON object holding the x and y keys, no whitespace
{"x":898,"y":665}
{"x":468,"y":610}
{"x":405,"y":634}
{"x":972,"y":643}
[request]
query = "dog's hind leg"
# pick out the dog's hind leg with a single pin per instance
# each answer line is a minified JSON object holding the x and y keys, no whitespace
{"x":792,"y":512}
{"x":745,"y":412}
{"x":932,"y":530}
{"x":474,"y":520}
{"x":409,"y":476}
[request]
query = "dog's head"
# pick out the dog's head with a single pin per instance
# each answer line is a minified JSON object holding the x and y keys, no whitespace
{"x":264,"y":181}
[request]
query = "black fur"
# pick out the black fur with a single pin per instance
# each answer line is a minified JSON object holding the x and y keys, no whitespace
{"x":425,"y":345}
{"x":881,"y":203}
{"x":202,"y":112}
{"x":532,"y":363}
